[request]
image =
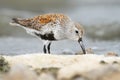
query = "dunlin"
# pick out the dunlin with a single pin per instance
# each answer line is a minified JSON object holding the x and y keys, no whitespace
{"x":52,"y":27}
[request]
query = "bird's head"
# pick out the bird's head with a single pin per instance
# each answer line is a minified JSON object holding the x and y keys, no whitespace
{"x":76,"y":33}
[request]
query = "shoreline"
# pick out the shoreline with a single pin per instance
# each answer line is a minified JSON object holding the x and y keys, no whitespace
{"x":65,"y":67}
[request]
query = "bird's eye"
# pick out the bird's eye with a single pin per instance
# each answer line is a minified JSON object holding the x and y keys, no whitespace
{"x":76,"y":31}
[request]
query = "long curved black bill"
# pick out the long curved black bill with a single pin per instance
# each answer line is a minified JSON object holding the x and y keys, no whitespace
{"x":82,"y":45}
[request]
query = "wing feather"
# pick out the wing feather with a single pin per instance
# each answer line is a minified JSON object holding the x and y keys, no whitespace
{"x":39,"y":21}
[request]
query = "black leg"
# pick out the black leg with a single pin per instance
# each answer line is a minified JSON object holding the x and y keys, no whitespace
{"x":44,"y":49}
{"x":48,"y":47}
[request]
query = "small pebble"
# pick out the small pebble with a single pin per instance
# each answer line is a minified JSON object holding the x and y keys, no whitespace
{"x":4,"y":65}
{"x":88,"y":51}
{"x":115,"y":62}
{"x":111,"y":54}
{"x":103,"y":62}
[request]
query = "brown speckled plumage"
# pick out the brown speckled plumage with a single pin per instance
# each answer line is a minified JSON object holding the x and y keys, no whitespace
{"x":38,"y":21}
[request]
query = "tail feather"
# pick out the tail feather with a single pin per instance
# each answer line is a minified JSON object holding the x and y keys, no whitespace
{"x":28,"y":23}
{"x":22,"y":22}
{"x":15,"y":20}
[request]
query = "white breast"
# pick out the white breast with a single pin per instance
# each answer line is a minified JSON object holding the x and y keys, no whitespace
{"x":58,"y":31}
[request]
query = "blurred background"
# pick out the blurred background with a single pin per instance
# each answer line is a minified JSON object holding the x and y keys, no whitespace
{"x":100,"y":18}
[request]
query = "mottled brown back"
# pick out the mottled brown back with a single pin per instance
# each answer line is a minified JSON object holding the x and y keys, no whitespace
{"x":39,"y":21}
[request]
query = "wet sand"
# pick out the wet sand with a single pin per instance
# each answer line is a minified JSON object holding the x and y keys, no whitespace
{"x":61,"y":67}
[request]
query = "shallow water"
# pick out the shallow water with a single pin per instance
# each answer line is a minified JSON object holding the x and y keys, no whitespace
{"x":13,"y":46}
